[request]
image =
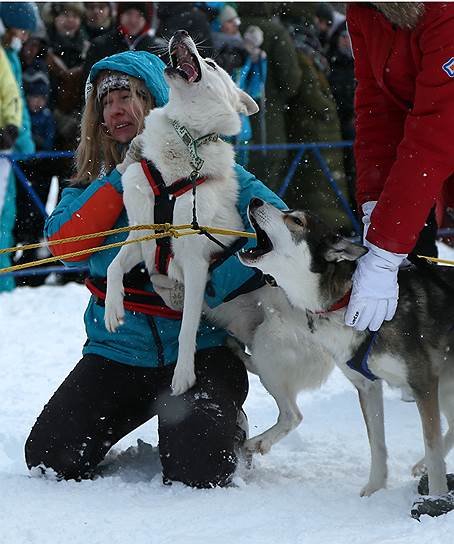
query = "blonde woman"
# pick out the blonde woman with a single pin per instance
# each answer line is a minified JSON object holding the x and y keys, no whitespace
{"x":124,"y":378}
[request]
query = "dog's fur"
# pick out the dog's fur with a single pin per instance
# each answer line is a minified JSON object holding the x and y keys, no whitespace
{"x":205,"y":101}
{"x":314,"y":267}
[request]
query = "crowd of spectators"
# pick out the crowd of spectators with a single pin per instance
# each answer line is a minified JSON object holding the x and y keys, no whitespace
{"x":293,"y":58}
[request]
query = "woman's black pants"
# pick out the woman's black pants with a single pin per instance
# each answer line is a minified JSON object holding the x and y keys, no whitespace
{"x":102,"y":401}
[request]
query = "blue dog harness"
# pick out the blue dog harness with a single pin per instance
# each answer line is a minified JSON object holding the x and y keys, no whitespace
{"x":359,"y":361}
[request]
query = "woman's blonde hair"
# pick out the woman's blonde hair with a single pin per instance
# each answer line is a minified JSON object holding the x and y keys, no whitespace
{"x":97,"y":152}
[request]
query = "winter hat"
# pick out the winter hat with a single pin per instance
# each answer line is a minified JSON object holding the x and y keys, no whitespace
{"x":23,"y":15}
{"x":140,"y":64}
{"x":227,"y":14}
{"x":36,"y":83}
{"x":58,"y":8}
{"x":142,"y":7}
{"x":325,"y":12}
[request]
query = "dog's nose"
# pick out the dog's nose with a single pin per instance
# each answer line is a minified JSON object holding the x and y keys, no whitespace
{"x":181,"y":34}
{"x":256,"y":203}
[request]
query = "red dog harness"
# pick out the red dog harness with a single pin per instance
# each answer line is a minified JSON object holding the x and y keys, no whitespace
{"x":137,"y":299}
{"x":165,"y":197}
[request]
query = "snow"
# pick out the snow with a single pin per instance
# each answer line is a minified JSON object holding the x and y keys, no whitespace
{"x":306,"y":490}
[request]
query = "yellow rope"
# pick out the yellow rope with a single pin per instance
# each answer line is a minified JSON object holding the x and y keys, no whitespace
{"x":164,"y":227}
{"x":436,"y":260}
{"x":168,"y":229}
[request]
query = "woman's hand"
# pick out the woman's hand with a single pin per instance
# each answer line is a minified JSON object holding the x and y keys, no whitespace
{"x":134,"y":154}
{"x":375,"y":290}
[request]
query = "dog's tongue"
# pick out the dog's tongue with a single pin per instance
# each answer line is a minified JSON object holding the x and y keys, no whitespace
{"x":189,"y":70}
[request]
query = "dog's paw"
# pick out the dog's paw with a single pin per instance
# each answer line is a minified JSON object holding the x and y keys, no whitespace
{"x":370,"y":488}
{"x":183,"y":379}
{"x":114,"y":313}
{"x":257,"y":445}
{"x":419,"y":469}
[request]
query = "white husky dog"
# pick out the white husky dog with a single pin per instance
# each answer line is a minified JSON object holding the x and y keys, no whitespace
{"x":204,"y":100}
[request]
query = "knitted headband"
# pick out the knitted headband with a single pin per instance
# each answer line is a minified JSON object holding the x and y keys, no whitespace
{"x":112,"y":82}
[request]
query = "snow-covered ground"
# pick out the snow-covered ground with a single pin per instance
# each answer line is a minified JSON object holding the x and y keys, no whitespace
{"x":305,"y":491}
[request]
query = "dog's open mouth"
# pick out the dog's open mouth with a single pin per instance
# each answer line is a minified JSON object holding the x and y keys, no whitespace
{"x":185,"y":63}
{"x":264,"y":244}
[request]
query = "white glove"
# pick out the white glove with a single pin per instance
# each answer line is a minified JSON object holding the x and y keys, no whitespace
{"x":368,"y":208}
{"x":134,"y":154}
{"x":171,"y":291}
{"x":375,"y":290}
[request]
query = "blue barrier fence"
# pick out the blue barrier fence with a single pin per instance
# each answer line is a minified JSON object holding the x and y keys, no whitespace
{"x":315,"y":148}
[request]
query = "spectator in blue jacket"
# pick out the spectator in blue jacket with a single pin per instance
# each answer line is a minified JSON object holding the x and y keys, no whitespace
{"x":18,"y":20}
{"x":124,"y":379}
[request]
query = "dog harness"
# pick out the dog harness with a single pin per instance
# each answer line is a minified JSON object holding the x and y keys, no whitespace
{"x":165,"y":197}
{"x":137,"y":299}
{"x":359,"y":360}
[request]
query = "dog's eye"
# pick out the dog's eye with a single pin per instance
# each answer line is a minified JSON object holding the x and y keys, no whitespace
{"x":211,"y":64}
{"x":298,"y":221}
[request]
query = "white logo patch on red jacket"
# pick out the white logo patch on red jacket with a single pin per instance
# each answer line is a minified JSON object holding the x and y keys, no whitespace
{"x":448,"y":67}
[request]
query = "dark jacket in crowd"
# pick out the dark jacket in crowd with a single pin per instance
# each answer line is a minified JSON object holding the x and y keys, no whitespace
{"x":342,"y":80}
{"x":71,"y":50}
{"x":43,"y":129}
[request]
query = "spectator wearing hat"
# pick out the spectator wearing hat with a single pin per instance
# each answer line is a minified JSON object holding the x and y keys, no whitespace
{"x":329,"y":23}
{"x":242,"y":57}
{"x":98,"y":19}
{"x":228,"y":42}
{"x":34,"y":52}
{"x":67,"y":49}
{"x":132,"y":32}
{"x":229,"y":21}
{"x":19,"y":19}
{"x":66,"y":34}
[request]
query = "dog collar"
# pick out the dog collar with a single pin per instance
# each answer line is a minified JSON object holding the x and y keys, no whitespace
{"x":193,"y":144}
{"x":341,"y":303}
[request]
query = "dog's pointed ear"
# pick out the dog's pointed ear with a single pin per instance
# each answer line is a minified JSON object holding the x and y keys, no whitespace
{"x":340,"y":249}
{"x":248,"y":105}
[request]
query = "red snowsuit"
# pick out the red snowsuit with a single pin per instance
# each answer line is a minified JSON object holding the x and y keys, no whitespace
{"x":404,"y":106}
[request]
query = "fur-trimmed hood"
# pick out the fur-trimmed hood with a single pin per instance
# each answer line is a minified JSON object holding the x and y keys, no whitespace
{"x":405,"y":15}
